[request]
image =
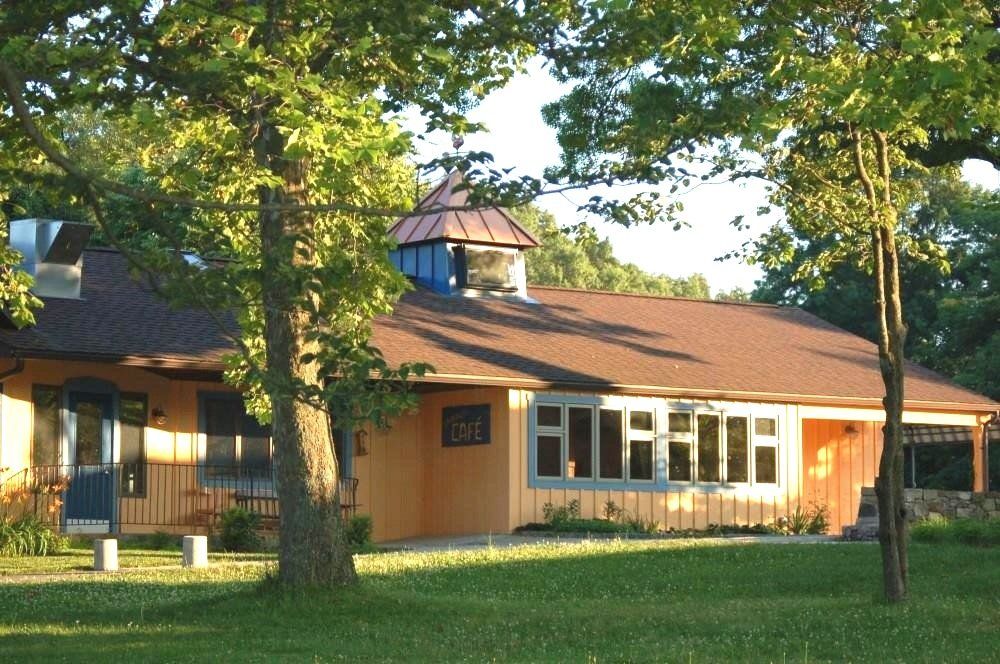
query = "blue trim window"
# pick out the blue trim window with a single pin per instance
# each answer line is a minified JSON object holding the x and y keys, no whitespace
{"x":591,"y":442}
{"x":234,"y":446}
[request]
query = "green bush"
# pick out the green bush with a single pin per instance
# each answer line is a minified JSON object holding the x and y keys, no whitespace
{"x":359,"y":533}
{"x":28,"y":536}
{"x":931,"y":530}
{"x":239,"y":530}
{"x":557,"y":514}
{"x":812,"y":521}
{"x":974,"y":532}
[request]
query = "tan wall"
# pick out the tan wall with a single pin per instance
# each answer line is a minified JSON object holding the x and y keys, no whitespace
{"x":837,"y":463}
{"x":411,"y":485}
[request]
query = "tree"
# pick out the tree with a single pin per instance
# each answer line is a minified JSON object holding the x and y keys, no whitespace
{"x":951,"y":314}
{"x":827,"y":104}
{"x":579,"y":260}
{"x":270,"y":136}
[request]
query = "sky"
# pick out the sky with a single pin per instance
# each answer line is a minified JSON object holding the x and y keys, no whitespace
{"x":517,"y":137}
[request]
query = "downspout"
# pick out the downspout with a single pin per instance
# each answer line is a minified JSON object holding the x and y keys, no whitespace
{"x":13,"y":371}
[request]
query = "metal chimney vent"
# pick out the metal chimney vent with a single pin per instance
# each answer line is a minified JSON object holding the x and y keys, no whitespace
{"x":53,"y":254}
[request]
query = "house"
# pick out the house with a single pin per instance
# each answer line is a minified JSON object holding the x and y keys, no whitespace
{"x":114,"y":418}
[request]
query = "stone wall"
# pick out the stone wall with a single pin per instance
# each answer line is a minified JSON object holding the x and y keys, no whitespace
{"x":924,"y":504}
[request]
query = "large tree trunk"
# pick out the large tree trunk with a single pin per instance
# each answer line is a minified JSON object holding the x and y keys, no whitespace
{"x":313,"y":545}
{"x":889,"y":483}
{"x":892,"y":526}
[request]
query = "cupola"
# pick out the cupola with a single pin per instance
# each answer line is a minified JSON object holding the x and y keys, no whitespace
{"x":468,"y":252}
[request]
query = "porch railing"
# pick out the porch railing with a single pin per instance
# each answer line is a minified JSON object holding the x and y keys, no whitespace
{"x":144,"y":497}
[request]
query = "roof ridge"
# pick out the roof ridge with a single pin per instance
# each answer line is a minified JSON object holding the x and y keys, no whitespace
{"x":657,"y":296}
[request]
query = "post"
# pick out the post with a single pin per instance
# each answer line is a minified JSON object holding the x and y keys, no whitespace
{"x":195,"y":551}
{"x":980,"y":471}
{"x":106,"y":555}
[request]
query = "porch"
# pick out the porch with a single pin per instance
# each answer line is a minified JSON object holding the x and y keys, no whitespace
{"x":132,"y":498}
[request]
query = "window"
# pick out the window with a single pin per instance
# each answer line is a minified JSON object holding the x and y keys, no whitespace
{"x":45,"y":431}
{"x":612,"y":445}
{"x":575,"y":441}
{"x":709,"y":446}
{"x":765,"y":450}
{"x":619,"y":442}
{"x":641,"y":441}
{"x":550,"y":416}
{"x":737,"y":450}
{"x":491,"y":269}
{"x":679,"y":455}
{"x":132,"y":452}
{"x":581,"y":442}
{"x":236,"y":445}
{"x":549,"y":455}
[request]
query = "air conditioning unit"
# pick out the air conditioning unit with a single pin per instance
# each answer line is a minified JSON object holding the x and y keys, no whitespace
{"x":53,"y":254}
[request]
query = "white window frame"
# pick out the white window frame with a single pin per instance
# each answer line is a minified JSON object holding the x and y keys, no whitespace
{"x":639,"y":435}
{"x":551,"y":431}
{"x":765,"y":441}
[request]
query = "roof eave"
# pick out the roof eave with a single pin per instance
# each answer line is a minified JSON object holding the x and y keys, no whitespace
{"x":737,"y":395}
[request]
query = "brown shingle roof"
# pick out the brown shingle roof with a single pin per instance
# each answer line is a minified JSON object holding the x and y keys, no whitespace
{"x":568,"y":338}
{"x":487,"y":226}
{"x":117,"y":317}
{"x":648,"y":344}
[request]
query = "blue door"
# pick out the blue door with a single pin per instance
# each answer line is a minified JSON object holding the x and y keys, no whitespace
{"x":90,"y":497}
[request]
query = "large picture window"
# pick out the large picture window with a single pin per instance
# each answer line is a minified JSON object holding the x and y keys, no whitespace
{"x":636,"y":441}
{"x":596,"y":443}
{"x":236,"y":445}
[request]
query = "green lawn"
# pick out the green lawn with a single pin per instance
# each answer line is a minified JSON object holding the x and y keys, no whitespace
{"x":664,"y":601}
{"x":82,"y":559}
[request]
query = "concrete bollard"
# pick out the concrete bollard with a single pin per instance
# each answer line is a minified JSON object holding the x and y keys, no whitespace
{"x":106,"y":555}
{"x":195,"y":551}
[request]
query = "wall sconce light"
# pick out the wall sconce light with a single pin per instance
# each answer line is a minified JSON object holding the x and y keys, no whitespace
{"x":852,"y":430}
{"x":361,"y":443}
{"x":159,"y":416}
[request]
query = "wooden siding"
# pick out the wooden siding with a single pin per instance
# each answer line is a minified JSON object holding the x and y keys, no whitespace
{"x":411,"y":485}
{"x":837,"y":464}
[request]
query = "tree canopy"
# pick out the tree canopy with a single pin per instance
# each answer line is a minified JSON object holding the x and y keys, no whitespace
{"x":271,"y":134}
{"x":581,"y":260}
{"x":952,"y":313}
{"x":832,"y":107}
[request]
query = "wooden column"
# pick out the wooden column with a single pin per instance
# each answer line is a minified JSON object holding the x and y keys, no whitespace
{"x":980,"y":470}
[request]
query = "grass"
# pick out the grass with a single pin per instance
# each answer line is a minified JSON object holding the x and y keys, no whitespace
{"x":80,"y":557}
{"x":592,"y":601}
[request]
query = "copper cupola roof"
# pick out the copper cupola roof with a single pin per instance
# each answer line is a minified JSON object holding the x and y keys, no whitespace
{"x":434,"y":220}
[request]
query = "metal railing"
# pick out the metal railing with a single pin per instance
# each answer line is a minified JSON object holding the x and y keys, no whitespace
{"x":144,"y":497}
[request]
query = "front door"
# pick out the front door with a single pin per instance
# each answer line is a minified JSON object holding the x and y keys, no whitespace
{"x":90,"y":497}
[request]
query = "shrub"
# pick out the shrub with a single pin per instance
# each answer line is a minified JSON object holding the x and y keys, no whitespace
{"x":555,"y":515}
{"x":28,"y":536}
{"x":612,"y":512}
{"x":638,"y":524}
{"x":974,"y":532}
{"x":978,"y":532}
{"x":359,"y":533}
{"x":935,"y":529}
{"x":812,"y":521}
{"x":239,"y":530}
{"x":161,"y":540}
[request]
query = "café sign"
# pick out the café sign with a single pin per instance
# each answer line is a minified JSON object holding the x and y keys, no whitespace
{"x":465,"y":425}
